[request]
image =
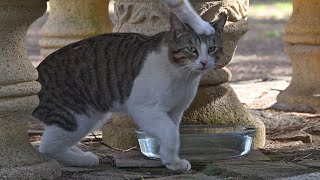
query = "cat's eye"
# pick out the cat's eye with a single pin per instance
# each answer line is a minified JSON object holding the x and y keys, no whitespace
{"x":212,"y":49}
{"x":192,"y":49}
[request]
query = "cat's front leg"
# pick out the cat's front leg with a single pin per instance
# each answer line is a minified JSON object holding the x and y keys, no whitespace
{"x":200,"y":26}
{"x":176,"y":115}
{"x":184,"y":11}
{"x":159,"y":125}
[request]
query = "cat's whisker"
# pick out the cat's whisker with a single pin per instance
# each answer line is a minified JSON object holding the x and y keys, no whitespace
{"x":185,"y":68}
{"x":190,"y":76}
{"x":190,"y":73}
{"x":218,"y":64}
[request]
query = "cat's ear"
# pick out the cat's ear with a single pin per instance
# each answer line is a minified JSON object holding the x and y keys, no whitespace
{"x":218,"y":25}
{"x":176,"y":26}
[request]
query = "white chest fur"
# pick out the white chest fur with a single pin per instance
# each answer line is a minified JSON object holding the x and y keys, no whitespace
{"x":161,"y":85}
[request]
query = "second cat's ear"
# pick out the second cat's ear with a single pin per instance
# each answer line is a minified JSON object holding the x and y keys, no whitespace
{"x":219,"y":24}
{"x":176,"y":26}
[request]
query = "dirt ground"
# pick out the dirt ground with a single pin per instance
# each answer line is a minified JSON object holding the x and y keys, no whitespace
{"x":261,"y":69}
{"x":260,"y":55}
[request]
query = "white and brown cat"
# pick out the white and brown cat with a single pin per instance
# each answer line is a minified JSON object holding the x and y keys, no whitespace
{"x":152,"y":78}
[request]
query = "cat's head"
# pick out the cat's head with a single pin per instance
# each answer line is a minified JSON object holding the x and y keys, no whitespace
{"x":192,"y":52}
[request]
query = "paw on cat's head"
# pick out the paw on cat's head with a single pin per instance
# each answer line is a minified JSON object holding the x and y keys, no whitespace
{"x":192,"y":52}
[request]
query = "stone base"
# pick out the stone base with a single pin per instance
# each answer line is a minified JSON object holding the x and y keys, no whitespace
{"x":303,"y":108}
{"x":219,"y":105}
{"x":216,"y":77}
{"x":49,"y":169}
{"x":303,"y":93}
{"x":120,"y":133}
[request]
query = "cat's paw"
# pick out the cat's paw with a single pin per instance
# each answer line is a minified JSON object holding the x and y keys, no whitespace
{"x":91,"y":159}
{"x":181,"y":165}
{"x":202,"y":27}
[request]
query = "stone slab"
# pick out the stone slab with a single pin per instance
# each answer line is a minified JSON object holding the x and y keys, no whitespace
{"x":188,"y":177}
{"x":256,"y":166}
{"x":48,"y":169}
{"x":134,"y":159}
{"x":310,"y":163}
{"x":310,"y":176}
{"x":256,"y":155}
{"x":253,"y":170}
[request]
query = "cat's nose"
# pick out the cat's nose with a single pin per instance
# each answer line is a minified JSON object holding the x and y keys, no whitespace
{"x":204,"y":62}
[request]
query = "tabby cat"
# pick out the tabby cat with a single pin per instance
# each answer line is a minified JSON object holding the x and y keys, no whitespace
{"x":152,"y":78}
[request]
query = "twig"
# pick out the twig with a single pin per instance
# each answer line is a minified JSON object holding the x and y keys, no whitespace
{"x":296,"y":159}
{"x":110,"y":147}
{"x":304,"y":157}
{"x":273,"y":89}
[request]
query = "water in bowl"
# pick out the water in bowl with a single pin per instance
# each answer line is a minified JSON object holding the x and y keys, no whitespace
{"x":204,"y":143}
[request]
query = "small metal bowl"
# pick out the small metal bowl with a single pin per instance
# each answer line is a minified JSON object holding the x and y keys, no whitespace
{"x":204,"y":142}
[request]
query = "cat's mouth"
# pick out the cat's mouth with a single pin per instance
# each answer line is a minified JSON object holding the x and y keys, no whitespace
{"x":202,"y":69}
{"x":196,"y":69}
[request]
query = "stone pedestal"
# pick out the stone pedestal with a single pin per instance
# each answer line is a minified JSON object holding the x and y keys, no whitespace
{"x":216,"y":102}
{"x":18,"y":89}
{"x":72,"y":20}
{"x":302,"y":37}
{"x":120,"y":133}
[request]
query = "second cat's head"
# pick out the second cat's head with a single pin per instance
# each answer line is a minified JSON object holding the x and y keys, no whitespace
{"x":192,"y":52}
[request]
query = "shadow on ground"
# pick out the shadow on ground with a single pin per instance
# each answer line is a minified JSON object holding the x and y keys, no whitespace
{"x":260,"y":53}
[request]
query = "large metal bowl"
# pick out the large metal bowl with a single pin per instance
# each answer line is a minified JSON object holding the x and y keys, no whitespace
{"x":204,"y":142}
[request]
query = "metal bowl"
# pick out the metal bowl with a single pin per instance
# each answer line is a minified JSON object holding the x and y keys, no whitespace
{"x":204,"y":142}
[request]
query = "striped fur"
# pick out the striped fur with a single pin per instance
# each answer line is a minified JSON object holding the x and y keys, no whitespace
{"x":92,"y":73}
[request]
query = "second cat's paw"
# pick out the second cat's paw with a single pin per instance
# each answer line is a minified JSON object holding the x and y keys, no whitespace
{"x":181,"y":165}
{"x":202,"y":27}
{"x":91,"y":159}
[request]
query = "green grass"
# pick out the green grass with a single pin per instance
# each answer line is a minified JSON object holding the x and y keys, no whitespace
{"x":284,"y":6}
{"x":272,"y":34}
{"x":268,"y":10}
{"x":211,"y":170}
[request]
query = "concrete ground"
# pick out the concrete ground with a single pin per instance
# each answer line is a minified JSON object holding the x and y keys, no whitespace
{"x":261,"y":69}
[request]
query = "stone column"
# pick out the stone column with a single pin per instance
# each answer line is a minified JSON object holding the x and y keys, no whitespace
{"x":215,"y":102}
{"x":72,"y":20}
{"x":302,"y":38}
{"x":18,"y":89}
